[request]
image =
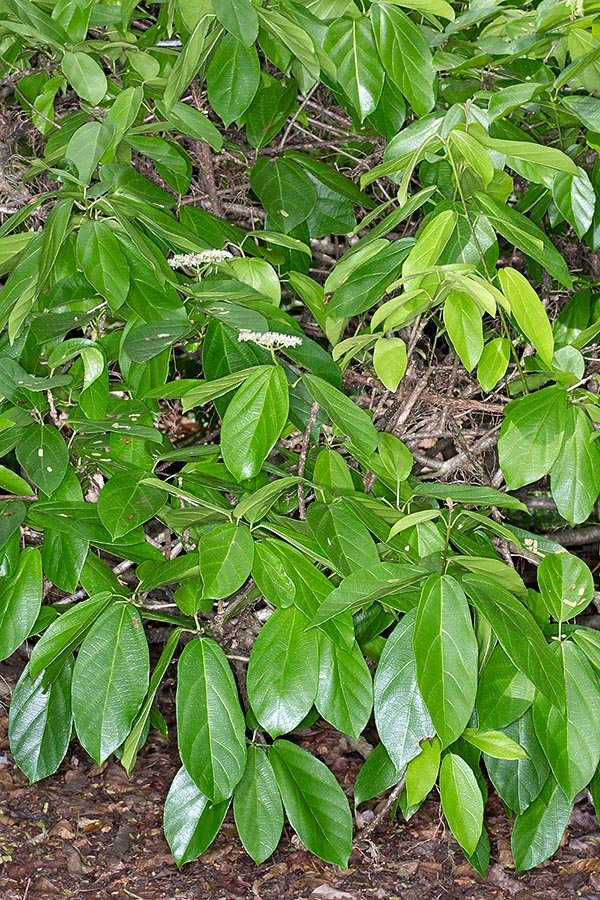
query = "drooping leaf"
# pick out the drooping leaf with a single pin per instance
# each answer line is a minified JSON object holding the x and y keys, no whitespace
{"x":351,"y":46}
{"x":461,"y":801}
{"x":575,"y":475}
{"x":257,"y":807}
{"x":345,"y":692}
{"x":314,"y":802}
{"x":210,"y":722}
{"x":531,"y":435}
{"x":519,"y":781}
{"x":405,"y":55}
{"x":112,"y":667}
{"x":191,"y":821}
{"x":20,"y":601}
{"x":538,"y":831}
{"x":226,"y":556}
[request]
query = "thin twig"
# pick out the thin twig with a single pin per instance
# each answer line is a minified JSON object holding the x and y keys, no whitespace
{"x":312,"y":418}
{"x":378,"y":818}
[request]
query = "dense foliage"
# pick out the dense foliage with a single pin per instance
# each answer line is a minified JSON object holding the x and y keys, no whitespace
{"x":128,"y":309}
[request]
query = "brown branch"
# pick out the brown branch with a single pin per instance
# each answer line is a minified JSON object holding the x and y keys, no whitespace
{"x":312,"y":418}
{"x":381,"y":814}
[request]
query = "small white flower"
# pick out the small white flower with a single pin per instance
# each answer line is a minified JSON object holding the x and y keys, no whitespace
{"x":576,"y":7}
{"x":194,"y":260}
{"x":270,"y":339}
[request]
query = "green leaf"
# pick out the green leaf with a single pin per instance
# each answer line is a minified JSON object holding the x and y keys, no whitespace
{"x":87,"y":147}
{"x":503,"y":693}
{"x":351,"y":46}
{"x":462,"y":318}
{"x":191,"y":821}
{"x":314,"y":802}
{"x":226,"y":557}
{"x":524,"y":234}
{"x":422,"y":772}
{"x":346,"y":416}
{"x":255,"y":506}
{"x":345,"y":692}
{"x":85,"y":76}
{"x":493,"y":363}
{"x":519,"y":635}
{"x":233,"y":78}
{"x":531,"y":435}
{"x":576,"y":200}
{"x":390,"y":361}
{"x":240,"y":19}
{"x":575,"y":475}
{"x":132,"y":742}
{"x":20,"y":601}
{"x":188,"y":61}
{"x":528,"y":311}
{"x":56,"y":229}
{"x":537,"y":833}
{"x":44,"y":456}
{"x":531,"y":152}
{"x":102,"y":261}
{"x":112,"y":667}
{"x":405,"y":55}
{"x":12,"y":516}
{"x":519,"y":781}
{"x":39,"y":724}
{"x":566,"y":585}
{"x":508,"y":99}
{"x":570,"y":738}
{"x":446,"y":656}
{"x":257,"y":807}
{"x":254,"y":420}
{"x":342,"y":537}
{"x":461,"y":801}
{"x":283,"y":671}
{"x":199,"y":391}
{"x":377,"y":774}
{"x":587,"y":110}
{"x":362,"y":587}
{"x":402,"y":719}
{"x":494,"y":743}
{"x":284,"y":189}
{"x":126,"y":502}
{"x":359,"y":282}
{"x":210,"y":721}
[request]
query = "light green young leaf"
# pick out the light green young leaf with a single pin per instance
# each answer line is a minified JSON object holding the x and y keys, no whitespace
{"x":494,"y":743}
{"x":530,"y":315}
{"x":461,"y":801}
{"x":85,"y":76}
{"x":462,"y":318}
{"x":531,"y":435}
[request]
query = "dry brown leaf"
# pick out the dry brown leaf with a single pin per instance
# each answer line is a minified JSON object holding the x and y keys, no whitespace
{"x":63,"y":830}
{"x":327,"y":892}
{"x":591,"y":864}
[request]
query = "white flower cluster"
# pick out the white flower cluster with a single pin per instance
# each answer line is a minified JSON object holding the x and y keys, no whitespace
{"x":576,"y":7}
{"x":270,"y":339}
{"x":193,"y":260}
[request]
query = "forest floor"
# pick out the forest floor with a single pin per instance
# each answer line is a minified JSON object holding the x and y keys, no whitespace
{"x":93,"y":832}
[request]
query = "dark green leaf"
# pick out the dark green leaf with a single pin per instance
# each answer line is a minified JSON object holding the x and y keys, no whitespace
{"x":191,"y":821}
{"x":519,"y":781}
{"x":285,"y":191}
{"x":405,"y":55}
{"x":345,"y":693}
{"x":352,"y":49}
{"x":43,"y":454}
{"x":538,"y":832}
{"x":531,"y":435}
{"x":257,"y":807}
{"x":226,"y":556}
{"x":20,"y":601}
{"x":232,"y":78}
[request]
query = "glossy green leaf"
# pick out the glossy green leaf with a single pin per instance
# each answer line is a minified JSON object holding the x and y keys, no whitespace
{"x":493,"y":363}
{"x":283,"y":672}
{"x":284,"y":189}
{"x":20,"y":601}
{"x":575,"y":475}
{"x":102,"y":261}
{"x":494,"y":743}
{"x":537,"y":833}
{"x":314,"y":802}
{"x":405,"y":55}
{"x":232,"y":78}
{"x":566,"y":585}
{"x":39,"y":723}
{"x":576,"y":200}
{"x":226,"y":556}
{"x":348,"y":418}
{"x":126,"y":502}
{"x":112,"y":667}
{"x":531,"y":435}
{"x":402,"y":719}
{"x":446,"y":656}
{"x":461,"y":801}
{"x":239,"y":18}
{"x":377,"y":774}
{"x":87,"y":147}
{"x":529,"y":313}
{"x":342,"y":537}
{"x":503,"y":692}
{"x":257,"y":807}
{"x":422,"y":772}
{"x":345,"y":692}
{"x":254,"y":420}
{"x":44,"y":456}
{"x":362,"y":587}
{"x":12,"y":516}
{"x":210,"y":722}
{"x":351,"y":46}
{"x":519,"y":781}
{"x":462,"y":318}
{"x":390,"y":361}
{"x":569,"y":738}
{"x":85,"y":76}
{"x":363,"y":281}
{"x":191,"y":821}
{"x":519,"y":636}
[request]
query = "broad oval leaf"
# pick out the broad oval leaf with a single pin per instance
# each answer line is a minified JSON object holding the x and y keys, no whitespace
{"x":20,"y":601}
{"x":538,"y":832}
{"x":531,"y":435}
{"x":102,"y":261}
{"x":85,"y":76}
{"x":210,"y":721}
{"x":257,"y":807}
{"x":285,"y":190}
{"x":446,"y":656}
{"x":530,"y":315}
{"x":405,"y":55}
{"x":345,"y":693}
{"x":519,"y":781}
{"x":314,"y":802}
{"x":112,"y":667}
{"x":283,"y":671}
{"x":461,"y":801}
{"x":575,"y":475}
{"x":43,"y":454}
{"x":566,"y":585}
{"x":254,"y":420}
{"x":401,"y":715}
{"x":190,"y":821}
{"x":232,"y":78}
{"x":39,"y":723}
{"x":125,"y":503}
{"x":226,"y":557}
{"x":352,"y":49}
